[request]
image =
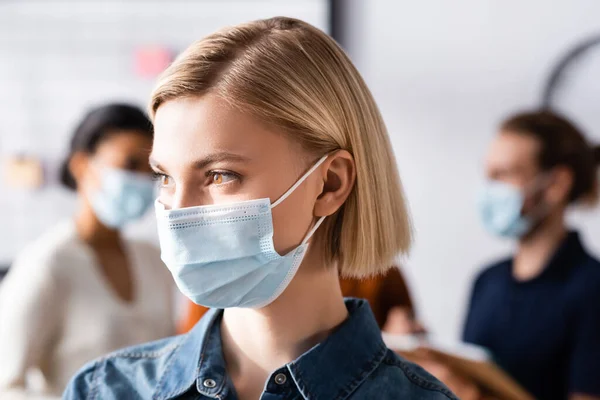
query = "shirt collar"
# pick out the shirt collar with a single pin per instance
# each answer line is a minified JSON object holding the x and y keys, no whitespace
{"x":325,"y":371}
{"x":568,"y":254}
{"x":183,"y":367}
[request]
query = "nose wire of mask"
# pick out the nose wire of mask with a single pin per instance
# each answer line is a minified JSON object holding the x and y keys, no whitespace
{"x":539,"y":183}
{"x":541,"y":209}
{"x":223,"y":256}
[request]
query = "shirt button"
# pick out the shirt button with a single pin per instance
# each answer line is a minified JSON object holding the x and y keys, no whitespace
{"x":280,"y":379}
{"x":209,"y":383}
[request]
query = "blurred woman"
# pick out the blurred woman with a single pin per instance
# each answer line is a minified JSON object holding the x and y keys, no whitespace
{"x":539,"y":310}
{"x":277,"y":176}
{"x":82,"y":290}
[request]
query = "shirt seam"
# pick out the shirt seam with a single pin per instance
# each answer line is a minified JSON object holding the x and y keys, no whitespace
{"x":129,"y":354}
{"x":162,"y":379}
{"x":95,"y":378}
{"x":379,"y":357}
{"x":416,"y":379}
{"x":96,"y":366}
{"x":351,"y":387}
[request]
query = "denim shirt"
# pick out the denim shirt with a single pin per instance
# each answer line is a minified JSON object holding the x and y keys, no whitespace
{"x":352,"y":363}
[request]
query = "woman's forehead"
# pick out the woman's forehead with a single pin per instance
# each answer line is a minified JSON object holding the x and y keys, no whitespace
{"x":189,"y":130}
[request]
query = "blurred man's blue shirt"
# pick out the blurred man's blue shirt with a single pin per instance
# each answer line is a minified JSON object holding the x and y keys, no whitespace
{"x":352,"y":363}
{"x":544,"y":331}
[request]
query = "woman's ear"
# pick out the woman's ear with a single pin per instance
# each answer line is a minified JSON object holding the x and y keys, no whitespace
{"x":78,"y":167}
{"x":339,"y":176}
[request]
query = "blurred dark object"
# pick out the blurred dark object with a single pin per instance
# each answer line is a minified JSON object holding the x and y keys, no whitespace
{"x":3,"y":270}
{"x":561,"y":70}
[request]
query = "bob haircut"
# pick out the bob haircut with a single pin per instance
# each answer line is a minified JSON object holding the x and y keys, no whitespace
{"x":294,"y":77}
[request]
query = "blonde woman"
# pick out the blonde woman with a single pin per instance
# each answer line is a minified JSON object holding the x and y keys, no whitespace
{"x":276,"y":172}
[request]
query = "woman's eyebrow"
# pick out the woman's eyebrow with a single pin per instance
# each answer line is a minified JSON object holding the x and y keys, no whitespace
{"x":205,"y":161}
{"x":219,"y":157}
{"x":155,"y":165}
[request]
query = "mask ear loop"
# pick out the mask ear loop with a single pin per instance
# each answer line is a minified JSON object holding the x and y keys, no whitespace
{"x":299,"y":182}
{"x":313,"y":230}
{"x":294,"y":187}
{"x":540,"y":184}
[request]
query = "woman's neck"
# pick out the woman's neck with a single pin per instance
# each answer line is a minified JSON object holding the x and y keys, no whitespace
{"x":258,"y":341}
{"x":536,"y":249}
{"x":92,"y":231}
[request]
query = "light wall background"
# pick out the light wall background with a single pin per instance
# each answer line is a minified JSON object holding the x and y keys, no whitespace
{"x":444,"y":74}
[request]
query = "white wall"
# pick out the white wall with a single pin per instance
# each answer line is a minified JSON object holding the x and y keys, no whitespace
{"x":444,"y":74}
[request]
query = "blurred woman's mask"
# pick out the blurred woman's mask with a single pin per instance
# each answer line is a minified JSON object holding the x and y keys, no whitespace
{"x":122,"y":197}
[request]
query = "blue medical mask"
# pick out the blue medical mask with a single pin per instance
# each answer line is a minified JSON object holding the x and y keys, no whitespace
{"x":223,"y":255}
{"x":501,"y":209}
{"x":123,"y":196}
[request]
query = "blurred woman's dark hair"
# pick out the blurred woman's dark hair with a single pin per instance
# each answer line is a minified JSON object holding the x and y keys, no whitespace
{"x":97,"y":125}
{"x":562,"y":144}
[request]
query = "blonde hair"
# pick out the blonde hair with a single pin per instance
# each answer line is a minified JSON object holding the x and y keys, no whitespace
{"x":295,"y":77}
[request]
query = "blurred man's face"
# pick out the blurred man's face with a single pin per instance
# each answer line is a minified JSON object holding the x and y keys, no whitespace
{"x":512,"y":159}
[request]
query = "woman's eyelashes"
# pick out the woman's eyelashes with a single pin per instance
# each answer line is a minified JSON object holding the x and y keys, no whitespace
{"x":216,"y":178}
{"x":221,"y":178}
{"x":162,"y":179}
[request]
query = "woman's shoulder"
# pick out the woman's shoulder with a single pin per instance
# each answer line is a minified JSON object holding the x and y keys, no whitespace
{"x":126,"y":373}
{"x":162,"y":369}
{"x":397,"y":378}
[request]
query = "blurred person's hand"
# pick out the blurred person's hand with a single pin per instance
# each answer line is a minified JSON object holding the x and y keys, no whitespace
{"x":400,"y":321}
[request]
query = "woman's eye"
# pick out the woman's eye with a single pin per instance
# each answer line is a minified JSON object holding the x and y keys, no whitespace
{"x":163,"y":180}
{"x":220,"y":178}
